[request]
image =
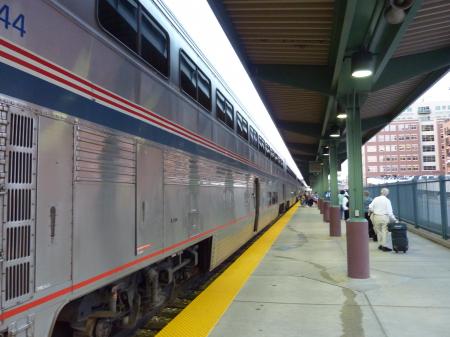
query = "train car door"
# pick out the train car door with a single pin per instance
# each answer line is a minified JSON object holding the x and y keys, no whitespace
{"x":256,"y":196}
{"x":149,"y":199}
{"x":55,"y":172}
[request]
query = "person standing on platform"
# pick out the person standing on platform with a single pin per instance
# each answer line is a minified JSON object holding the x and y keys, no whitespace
{"x":381,"y":209}
{"x":367,"y":201}
{"x":341,"y":197}
{"x":346,"y":206}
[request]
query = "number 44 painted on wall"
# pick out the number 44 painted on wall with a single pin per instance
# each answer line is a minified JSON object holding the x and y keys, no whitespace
{"x":18,"y":23}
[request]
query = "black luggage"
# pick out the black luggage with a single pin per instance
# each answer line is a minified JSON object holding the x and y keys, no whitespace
{"x":399,"y":236}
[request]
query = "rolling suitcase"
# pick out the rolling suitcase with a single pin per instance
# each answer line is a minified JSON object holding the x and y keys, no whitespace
{"x":399,"y":236}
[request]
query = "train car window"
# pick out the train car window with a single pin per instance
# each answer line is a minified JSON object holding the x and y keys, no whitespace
{"x":220,"y":106}
{"x":204,"y":90}
{"x":262,"y":145}
{"x":267,"y":151}
{"x":120,"y":18}
{"x":253,"y":137}
{"x":224,"y":110}
{"x":131,"y":24}
{"x":229,"y":110}
{"x":241,"y":126}
{"x":188,"y":76}
{"x":154,"y":44}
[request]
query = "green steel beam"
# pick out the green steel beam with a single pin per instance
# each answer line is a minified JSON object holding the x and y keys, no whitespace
{"x":403,"y":68}
{"x":344,"y":15}
{"x":385,"y":46}
{"x":308,"y":77}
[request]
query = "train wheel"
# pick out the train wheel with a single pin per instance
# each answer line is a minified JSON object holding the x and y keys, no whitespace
{"x":103,"y":328}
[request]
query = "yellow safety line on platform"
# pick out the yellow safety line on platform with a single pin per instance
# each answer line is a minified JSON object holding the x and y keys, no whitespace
{"x":202,"y":314}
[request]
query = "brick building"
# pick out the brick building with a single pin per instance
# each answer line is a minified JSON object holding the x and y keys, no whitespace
{"x":416,"y":143}
{"x":446,"y":146}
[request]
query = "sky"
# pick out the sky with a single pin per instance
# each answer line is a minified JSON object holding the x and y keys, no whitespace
{"x":199,"y":21}
{"x":439,"y":92}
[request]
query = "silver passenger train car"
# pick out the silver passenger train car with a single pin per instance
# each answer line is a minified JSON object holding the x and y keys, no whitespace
{"x":125,"y":165}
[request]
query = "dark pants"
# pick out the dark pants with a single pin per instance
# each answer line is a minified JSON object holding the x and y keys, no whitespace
{"x":346,"y":214}
{"x":371,"y":230}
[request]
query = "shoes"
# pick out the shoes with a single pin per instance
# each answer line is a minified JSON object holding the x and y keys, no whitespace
{"x":380,"y":247}
{"x":386,"y":249}
{"x":375,"y":239}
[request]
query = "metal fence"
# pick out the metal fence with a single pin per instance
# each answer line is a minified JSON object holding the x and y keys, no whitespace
{"x":423,"y":203}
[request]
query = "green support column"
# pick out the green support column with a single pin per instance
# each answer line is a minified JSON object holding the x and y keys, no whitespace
{"x":320,"y":190}
{"x":326,"y":188}
{"x":354,"y":155}
{"x":326,"y":172}
{"x":335,"y":209}
{"x":333,"y":174}
{"x":357,"y":227}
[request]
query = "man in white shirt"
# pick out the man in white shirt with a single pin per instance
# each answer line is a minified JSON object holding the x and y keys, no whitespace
{"x":381,"y":209}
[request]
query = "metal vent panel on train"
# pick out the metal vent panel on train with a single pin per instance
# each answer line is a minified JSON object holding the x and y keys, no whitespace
{"x":102,"y":156}
{"x":18,"y":174}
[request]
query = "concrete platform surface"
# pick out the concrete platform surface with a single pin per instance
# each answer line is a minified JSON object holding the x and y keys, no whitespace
{"x":301,"y":288}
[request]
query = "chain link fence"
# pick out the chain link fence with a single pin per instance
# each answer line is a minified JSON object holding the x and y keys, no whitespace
{"x":423,"y":203}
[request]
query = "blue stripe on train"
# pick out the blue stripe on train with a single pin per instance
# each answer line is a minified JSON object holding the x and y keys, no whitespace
{"x":19,"y":84}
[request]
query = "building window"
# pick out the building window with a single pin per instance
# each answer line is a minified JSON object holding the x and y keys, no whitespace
{"x":130,"y":23}
{"x":381,"y":138}
{"x":428,"y":127}
{"x":372,"y":159}
{"x":401,"y":147}
{"x":427,"y":138}
{"x":427,"y":159}
{"x":394,"y":168}
{"x":372,"y":168}
{"x":408,"y":147}
{"x":412,"y":126}
{"x":438,"y":107}
{"x":429,"y":168}
{"x":387,"y":148}
{"x":371,"y":148}
{"x":381,"y":148}
{"x":428,"y":148}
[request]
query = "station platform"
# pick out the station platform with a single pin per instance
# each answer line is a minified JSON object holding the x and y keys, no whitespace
{"x":293,"y":282}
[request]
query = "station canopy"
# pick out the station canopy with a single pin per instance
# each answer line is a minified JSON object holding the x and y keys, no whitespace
{"x":299,"y":53}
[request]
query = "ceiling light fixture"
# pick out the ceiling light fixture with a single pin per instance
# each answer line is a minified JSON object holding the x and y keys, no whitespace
{"x":341,"y":115}
{"x":325,"y":151}
{"x":395,"y":13}
{"x":335,"y":132}
{"x":362,"y":64}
